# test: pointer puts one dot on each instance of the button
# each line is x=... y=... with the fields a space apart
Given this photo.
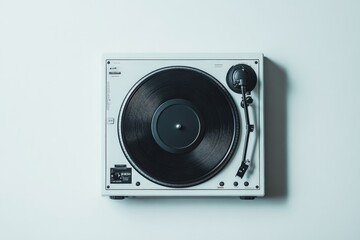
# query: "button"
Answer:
x=236 y=184
x=110 y=121
x=246 y=184
x=221 y=184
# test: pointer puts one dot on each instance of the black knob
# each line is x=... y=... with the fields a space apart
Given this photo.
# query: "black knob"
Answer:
x=241 y=75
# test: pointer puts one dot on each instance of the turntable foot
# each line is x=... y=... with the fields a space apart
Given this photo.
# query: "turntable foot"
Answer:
x=247 y=198
x=117 y=197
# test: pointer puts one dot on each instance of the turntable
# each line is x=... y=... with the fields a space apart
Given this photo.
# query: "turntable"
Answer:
x=183 y=125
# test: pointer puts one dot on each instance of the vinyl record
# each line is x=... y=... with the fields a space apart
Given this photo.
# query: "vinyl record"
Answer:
x=178 y=126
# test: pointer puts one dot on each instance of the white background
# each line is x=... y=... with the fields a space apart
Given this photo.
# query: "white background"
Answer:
x=50 y=103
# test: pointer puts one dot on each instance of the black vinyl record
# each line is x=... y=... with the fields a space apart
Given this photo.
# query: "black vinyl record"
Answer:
x=178 y=126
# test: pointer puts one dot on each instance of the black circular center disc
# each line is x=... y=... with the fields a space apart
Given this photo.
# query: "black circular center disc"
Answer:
x=178 y=126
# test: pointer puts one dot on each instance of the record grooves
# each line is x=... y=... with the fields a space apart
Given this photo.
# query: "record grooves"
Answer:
x=178 y=126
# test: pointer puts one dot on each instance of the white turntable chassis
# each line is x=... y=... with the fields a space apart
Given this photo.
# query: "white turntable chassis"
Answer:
x=122 y=71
